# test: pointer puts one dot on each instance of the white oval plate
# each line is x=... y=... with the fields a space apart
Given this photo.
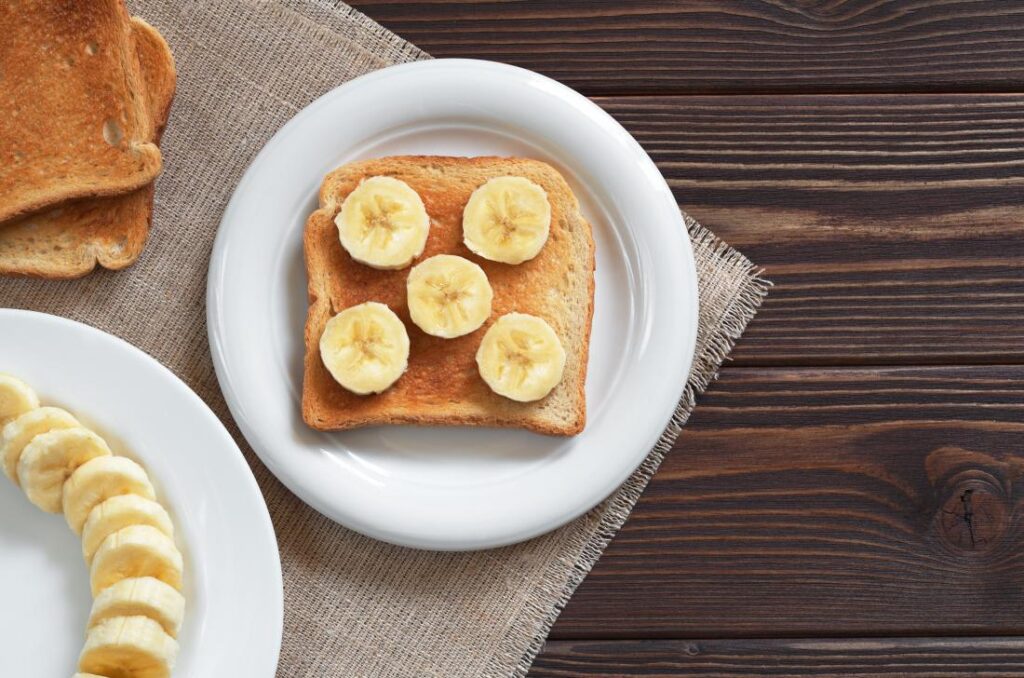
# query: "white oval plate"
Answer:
x=234 y=617
x=451 y=488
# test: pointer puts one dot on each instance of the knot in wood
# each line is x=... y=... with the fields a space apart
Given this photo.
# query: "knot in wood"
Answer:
x=973 y=492
x=973 y=517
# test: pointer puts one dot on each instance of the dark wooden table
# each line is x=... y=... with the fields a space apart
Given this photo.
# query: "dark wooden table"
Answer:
x=844 y=501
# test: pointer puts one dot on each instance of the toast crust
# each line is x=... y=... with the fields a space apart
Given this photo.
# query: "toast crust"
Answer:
x=72 y=121
x=70 y=240
x=442 y=385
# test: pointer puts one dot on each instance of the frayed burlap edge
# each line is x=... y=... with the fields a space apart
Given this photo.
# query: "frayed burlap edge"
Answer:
x=338 y=17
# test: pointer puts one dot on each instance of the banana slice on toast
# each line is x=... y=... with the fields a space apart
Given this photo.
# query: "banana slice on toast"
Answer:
x=448 y=296
x=383 y=223
x=508 y=219
x=521 y=357
x=365 y=348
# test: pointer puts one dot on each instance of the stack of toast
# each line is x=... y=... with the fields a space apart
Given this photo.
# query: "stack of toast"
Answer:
x=86 y=91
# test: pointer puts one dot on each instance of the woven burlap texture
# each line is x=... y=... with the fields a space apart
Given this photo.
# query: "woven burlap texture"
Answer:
x=353 y=606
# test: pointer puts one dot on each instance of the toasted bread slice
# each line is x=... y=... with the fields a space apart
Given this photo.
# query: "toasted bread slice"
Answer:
x=68 y=240
x=442 y=385
x=72 y=118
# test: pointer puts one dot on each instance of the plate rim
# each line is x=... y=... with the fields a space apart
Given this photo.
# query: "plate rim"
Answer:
x=218 y=261
x=247 y=478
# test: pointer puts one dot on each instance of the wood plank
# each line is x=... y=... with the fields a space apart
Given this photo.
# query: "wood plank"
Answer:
x=729 y=46
x=863 y=658
x=831 y=502
x=893 y=226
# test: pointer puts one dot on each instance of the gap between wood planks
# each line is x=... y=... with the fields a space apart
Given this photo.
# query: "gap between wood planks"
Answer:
x=866 y=657
x=921 y=635
x=973 y=360
x=967 y=90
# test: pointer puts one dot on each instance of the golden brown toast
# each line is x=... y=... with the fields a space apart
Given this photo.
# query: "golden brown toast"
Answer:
x=68 y=240
x=72 y=118
x=442 y=385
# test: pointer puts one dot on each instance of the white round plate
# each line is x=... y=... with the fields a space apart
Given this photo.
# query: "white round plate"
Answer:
x=452 y=488
x=233 y=620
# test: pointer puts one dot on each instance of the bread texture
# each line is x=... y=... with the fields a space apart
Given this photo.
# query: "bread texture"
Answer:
x=70 y=239
x=442 y=385
x=73 y=122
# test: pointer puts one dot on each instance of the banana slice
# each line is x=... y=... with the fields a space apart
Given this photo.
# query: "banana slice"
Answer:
x=140 y=597
x=383 y=223
x=507 y=219
x=16 y=398
x=120 y=512
x=136 y=551
x=365 y=348
x=51 y=458
x=521 y=357
x=100 y=479
x=448 y=296
x=128 y=646
x=20 y=431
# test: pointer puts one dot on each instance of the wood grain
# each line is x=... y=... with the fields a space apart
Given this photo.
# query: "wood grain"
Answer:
x=892 y=225
x=813 y=519
x=832 y=502
x=719 y=46
x=867 y=658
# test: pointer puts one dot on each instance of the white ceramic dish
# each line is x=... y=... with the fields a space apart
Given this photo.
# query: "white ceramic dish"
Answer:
x=233 y=574
x=450 y=488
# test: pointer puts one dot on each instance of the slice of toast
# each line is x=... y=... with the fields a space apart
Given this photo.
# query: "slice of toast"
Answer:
x=442 y=385
x=72 y=118
x=67 y=241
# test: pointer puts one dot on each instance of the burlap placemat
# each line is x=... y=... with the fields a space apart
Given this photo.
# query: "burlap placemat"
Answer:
x=353 y=606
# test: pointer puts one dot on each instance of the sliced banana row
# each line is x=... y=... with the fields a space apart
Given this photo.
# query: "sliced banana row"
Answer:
x=366 y=350
x=127 y=536
x=383 y=222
